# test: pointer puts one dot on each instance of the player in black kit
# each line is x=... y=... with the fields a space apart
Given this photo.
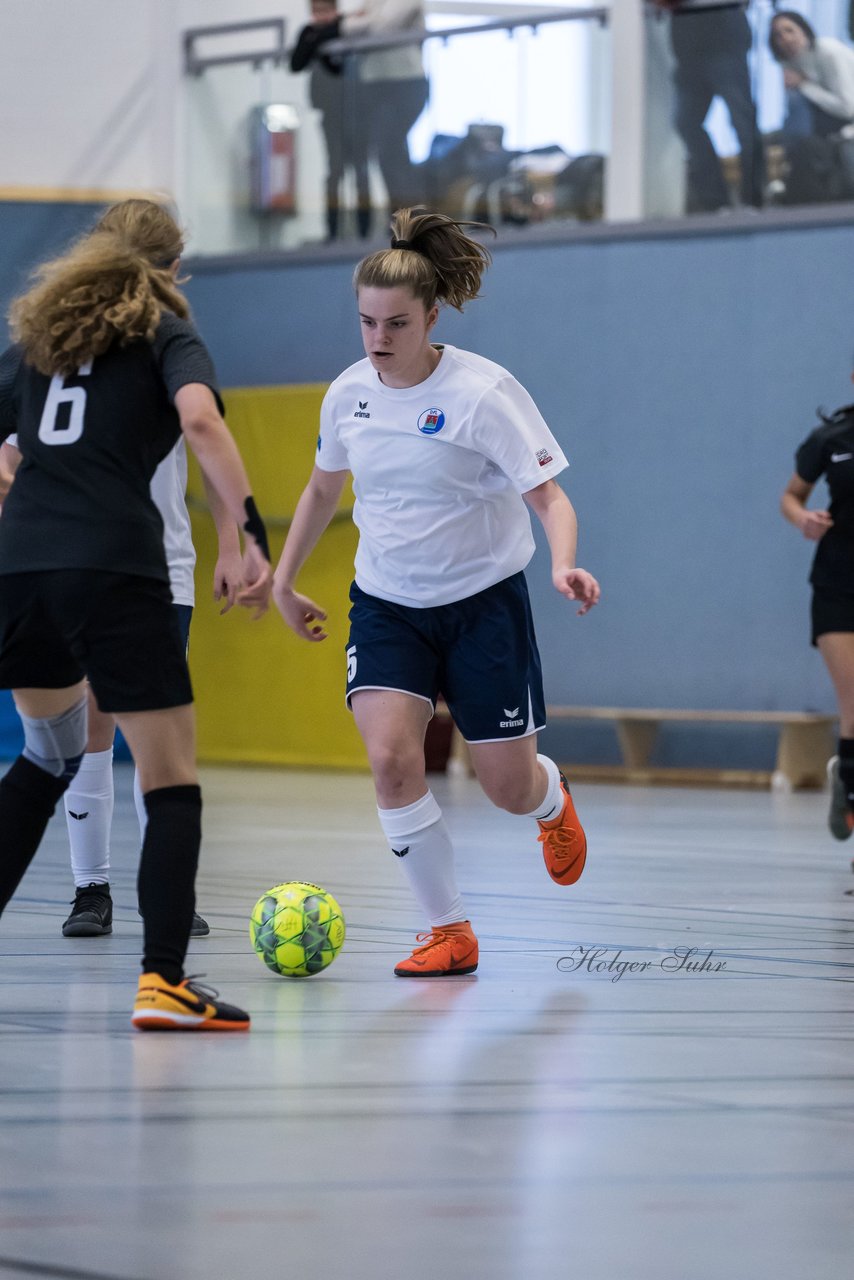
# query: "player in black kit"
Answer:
x=105 y=374
x=829 y=452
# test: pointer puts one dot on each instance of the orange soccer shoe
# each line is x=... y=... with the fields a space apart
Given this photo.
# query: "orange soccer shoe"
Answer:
x=564 y=842
x=189 y=1006
x=447 y=949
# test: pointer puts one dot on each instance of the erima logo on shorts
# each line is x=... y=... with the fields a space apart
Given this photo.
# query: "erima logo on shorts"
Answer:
x=360 y=412
x=431 y=421
x=510 y=722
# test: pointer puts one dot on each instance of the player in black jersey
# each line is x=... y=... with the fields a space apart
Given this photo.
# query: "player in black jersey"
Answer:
x=105 y=374
x=829 y=452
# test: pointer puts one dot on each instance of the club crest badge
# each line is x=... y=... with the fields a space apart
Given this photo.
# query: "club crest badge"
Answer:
x=431 y=421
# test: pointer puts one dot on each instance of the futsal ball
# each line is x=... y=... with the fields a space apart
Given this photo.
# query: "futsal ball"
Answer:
x=297 y=929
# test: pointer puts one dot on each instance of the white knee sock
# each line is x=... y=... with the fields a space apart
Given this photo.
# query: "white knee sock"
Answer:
x=139 y=803
x=88 y=815
x=418 y=836
x=552 y=802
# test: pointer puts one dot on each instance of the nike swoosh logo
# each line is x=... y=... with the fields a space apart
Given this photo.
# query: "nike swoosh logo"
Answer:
x=79 y=816
x=401 y=853
x=194 y=1006
x=841 y=457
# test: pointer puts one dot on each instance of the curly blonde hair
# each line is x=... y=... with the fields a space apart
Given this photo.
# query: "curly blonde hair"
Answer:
x=113 y=285
x=432 y=255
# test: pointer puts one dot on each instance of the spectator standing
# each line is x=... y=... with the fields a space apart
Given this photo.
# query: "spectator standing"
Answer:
x=710 y=47
x=334 y=97
x=393 y=90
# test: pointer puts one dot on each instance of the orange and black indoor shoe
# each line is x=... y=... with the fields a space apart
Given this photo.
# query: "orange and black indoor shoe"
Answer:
x=564 y=842
x=447 y=950
x=189 y=1006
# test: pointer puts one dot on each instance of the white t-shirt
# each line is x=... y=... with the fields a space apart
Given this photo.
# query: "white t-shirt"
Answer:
x=168 y=489
x=438 y=473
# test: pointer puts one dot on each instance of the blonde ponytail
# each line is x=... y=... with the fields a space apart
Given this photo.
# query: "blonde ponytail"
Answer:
x=432 y=255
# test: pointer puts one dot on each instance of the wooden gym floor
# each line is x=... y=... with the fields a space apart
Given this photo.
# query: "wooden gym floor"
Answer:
x=540 y=1118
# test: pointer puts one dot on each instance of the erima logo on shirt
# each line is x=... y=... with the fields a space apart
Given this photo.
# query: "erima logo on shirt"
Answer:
x=511 y=722
x=841 y=457
x=431 y=421
x=360 y=412
x=400 y=853
x=544 y=457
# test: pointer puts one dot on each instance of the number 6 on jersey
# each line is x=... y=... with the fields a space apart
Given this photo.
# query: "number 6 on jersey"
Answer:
x=58 y=394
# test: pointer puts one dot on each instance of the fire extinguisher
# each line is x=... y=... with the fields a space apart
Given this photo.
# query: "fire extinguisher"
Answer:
x=273 y=130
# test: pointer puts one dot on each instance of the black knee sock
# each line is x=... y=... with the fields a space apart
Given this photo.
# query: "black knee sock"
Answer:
x=846 y=767
x=28 y=797
x=167 y=877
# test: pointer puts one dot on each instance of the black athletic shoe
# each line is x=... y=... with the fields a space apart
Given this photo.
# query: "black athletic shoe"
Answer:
x=91 y=912
x=200 y=928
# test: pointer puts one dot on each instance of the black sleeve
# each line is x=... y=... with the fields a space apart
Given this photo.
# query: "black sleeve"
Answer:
x=304 y=49
x=10 y=363
x=183 y=358
x=311 y=39
x=809 y=458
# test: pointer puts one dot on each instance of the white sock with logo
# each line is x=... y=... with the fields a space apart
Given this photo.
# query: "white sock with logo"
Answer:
x=420 y=840
x=552 y=802
x=88 y=816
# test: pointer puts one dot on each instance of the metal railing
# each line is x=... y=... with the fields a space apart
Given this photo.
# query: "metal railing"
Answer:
x=195 y=62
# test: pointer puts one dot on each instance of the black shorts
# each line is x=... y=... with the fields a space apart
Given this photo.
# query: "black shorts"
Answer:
x=480 y=654
x=119 y=630
x=831 y=611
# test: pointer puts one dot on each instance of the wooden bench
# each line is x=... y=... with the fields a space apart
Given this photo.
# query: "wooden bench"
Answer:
x=806 y=742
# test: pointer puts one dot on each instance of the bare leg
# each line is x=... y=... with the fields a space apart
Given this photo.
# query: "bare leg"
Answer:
x=393 y=726
x=516 y=779
x=510 y=773
x=837 y=650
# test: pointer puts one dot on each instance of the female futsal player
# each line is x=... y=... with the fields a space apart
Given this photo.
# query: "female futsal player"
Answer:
x=829 y=452
x=105 y=375
x=90 y=797
x=446 y=449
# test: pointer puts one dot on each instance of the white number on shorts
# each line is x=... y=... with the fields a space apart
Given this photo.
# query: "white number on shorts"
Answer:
x=351 y=664
x=75 y=398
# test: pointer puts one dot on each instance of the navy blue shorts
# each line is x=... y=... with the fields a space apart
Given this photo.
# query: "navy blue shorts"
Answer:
x=480 y=654
x=184 y=614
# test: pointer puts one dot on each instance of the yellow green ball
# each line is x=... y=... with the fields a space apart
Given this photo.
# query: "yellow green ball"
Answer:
x=297 y=929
